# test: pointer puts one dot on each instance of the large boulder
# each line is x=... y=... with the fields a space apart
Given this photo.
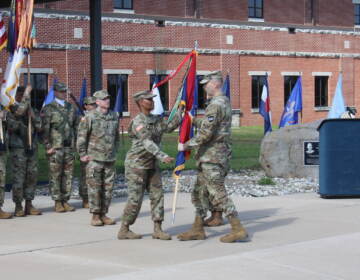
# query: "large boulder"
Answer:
x=282 y=151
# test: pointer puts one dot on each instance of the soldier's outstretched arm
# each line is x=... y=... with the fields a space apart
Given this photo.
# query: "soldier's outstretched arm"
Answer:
x=140 y=131
x=174 y=123
x=209 y=124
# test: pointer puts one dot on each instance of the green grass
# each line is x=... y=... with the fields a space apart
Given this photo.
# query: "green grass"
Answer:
x=245 y=152
x=266 y=181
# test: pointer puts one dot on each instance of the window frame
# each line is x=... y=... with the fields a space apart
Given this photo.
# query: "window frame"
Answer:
x=125 y=89
x=164 y=90
x=257 y=90
x=321 y=91
x=38 y=96
x=289 y=87
x=356 y=14
x=253 y=8
x=119 y=5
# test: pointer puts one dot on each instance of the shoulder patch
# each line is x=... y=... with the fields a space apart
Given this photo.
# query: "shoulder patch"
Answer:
x=139 y=127
x=211 y=118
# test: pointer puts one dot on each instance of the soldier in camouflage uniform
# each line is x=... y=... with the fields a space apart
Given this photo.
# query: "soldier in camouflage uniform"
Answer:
x=89 y=105
x=23 y=156
x=3 y=214
x=97 y=142
x=59 y=124
x=212 y=140
x=142 y=166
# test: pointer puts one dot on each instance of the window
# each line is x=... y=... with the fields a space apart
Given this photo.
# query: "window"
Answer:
x=257 y=83
x=357 y=14
x=255 y=8
x=321 y=91
x=123 y=4
x=201 y=96
x=114 y=82
x=163 y=90
x=289 y=83
x=39 y=83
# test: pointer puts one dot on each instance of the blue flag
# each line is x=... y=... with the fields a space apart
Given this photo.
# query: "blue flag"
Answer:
x=118 y=108
x=290 y=116
x=226 y=86
x=264 y=109
x=338 y=104
x=82 y=95
x=51 y=95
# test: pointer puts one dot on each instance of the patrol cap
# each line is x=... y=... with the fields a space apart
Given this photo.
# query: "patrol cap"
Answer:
x=60 y=87
x=101 y=94
x=89 y=100
x=146 y=94
x=213 y=75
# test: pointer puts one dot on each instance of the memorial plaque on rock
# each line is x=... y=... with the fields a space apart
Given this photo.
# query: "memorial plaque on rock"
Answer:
x=311 y=152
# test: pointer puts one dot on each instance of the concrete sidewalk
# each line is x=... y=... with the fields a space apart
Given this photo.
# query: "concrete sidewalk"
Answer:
x=292 y=237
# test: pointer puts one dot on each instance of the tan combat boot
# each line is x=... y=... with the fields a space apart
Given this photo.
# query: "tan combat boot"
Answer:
x=96 y=220
x=126 y=233
x=238 y=232
x=59 y=208
x=19 y=211
x=85 y=203
x=106 y=220
x=215 y=220
x=159 y=234
x=30 y=209
x=195 y=233
x=5 y=215
x=68 y=207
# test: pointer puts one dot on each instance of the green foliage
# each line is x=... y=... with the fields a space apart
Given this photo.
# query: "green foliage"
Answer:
x=266 y=181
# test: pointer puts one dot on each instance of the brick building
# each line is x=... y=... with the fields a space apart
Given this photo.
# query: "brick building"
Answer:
x=284 y=39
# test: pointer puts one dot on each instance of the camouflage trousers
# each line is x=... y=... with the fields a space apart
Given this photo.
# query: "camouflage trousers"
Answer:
x=83 y=189
x=25 y=170
x=139 y=180
x=100 y=181
x=61 y=166
x=209 y=191
x=2 y=177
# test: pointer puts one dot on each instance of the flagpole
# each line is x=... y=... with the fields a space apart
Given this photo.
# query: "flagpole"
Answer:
x=29 y=109
x=175 y=199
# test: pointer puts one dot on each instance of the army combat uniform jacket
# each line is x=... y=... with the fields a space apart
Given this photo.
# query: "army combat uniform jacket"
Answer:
x=146 y=133
x=98 y=138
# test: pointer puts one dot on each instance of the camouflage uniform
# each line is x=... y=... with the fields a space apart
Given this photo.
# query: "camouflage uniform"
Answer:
x=3 y=167
x=212 y=140
x=83 y=189
x=23 y=160
x=98 y=137
x=59 y=133
x=142 y=167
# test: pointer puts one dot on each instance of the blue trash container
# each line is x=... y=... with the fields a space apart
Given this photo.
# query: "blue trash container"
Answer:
x=339 y=170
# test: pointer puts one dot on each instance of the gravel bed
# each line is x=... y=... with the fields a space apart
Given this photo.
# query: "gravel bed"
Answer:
x=244 y=183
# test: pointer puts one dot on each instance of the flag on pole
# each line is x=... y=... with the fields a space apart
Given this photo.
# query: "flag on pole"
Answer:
x=338 y=104
x=118 y=108
x=264 y=109
x=83 y=94
x=226 y=86
x=51 y=95
x=3 y=35
x=290 y=116
x=158 y=107
x=187 y=100
x=19 y=45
